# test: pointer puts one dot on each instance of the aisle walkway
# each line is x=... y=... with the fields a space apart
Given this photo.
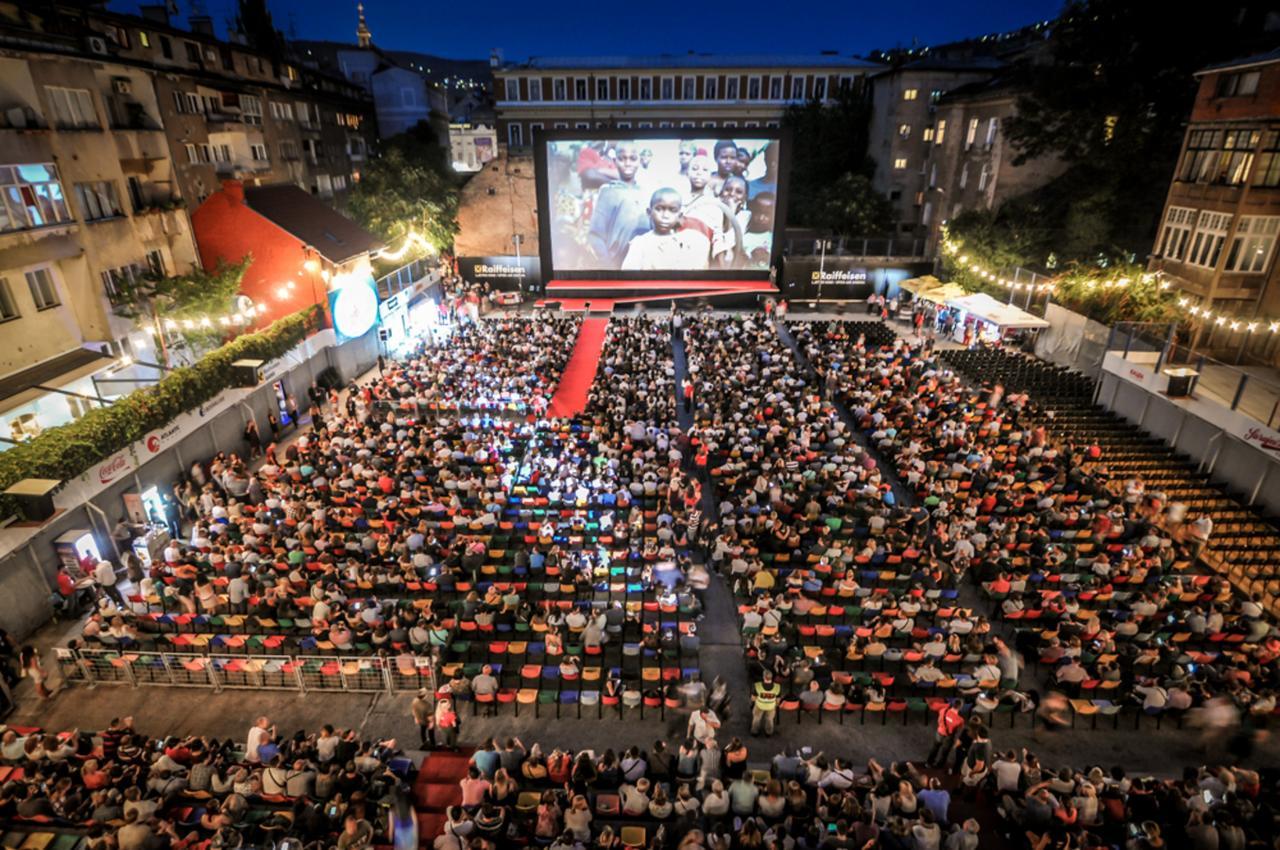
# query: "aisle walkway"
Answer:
x=575 y=382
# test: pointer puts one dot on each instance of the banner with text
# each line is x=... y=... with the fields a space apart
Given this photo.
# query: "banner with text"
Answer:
x=503 y=274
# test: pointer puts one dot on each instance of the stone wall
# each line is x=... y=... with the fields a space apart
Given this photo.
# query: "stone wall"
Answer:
x=498 y=202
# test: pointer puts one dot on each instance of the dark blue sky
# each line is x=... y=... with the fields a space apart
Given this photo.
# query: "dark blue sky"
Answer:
x=570 y=27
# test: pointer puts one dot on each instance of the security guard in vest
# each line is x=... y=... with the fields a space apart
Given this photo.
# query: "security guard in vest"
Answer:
x=764 y=706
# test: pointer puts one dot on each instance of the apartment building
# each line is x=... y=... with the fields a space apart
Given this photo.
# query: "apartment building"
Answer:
x=111 y=128
x=908 y=132
x=1217 y=239
x=661 y=92
x=972 y=162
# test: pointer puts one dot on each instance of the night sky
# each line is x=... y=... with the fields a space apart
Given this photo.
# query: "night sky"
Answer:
x=524 y=28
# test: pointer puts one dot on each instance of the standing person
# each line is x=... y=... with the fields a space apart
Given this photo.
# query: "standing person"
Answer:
x=620 y=213
x=291 y=405
x=8 y=655
x=688 y=394
x=253 y=438
x=424 y=717
x=274 y=424
x=382 y=364
x=105 y=576
x=764 y=707
x=944 y=735
x=447 y=724
x=34 y=670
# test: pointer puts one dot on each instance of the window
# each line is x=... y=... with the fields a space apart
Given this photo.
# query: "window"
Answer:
x=711 y=125
x=645 y=125
x=513 y=89
x=846 y=84
x=339 y=181
x=910 y=94
x=730 y=124
x=971 y=134
x=602 y=88
x=515 y=135
x=664 y=125
x=117 y=282
x=1219 y=156
x=819 y=88
x=775 y=88
x=580 y=125
x=72 y=108
x=98 y=200
x=1252 y=244
x=166 y=47
x=1267 y=172
x=8 y=307
x=1177 y=232
x=686 y=125
x=900 y=163
x=983 y=175
x=535 y=93
x=1240 y=84
x=646 y=88
x=284 y=111
x=155 y=262
x=926 y=213
x=32 y=197
x=251 y=108
x=797 y=88
x=904 y=131
x=1211 y=233
x=690 y=86
x=534 y=129
x=942 y=131
x=624 y=125
x=624 y=88
x=258 y=152
x=289 y=150
x=406 y=96
x=964 y=175
x=193 y=52
x=711 y=88
x=43 y=291
x=559 y=90
x=561 y=125
x=144 y=38
x=753 y=88
x=668 y=91
x=731 y=88
x=580 y=89
x=992 y=126
x=933 y=175
x=927 y=135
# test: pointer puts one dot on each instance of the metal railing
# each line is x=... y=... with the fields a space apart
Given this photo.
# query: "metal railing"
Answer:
x=301 y=673
x=404 y=277
x=1253 y=391
x=855 y=247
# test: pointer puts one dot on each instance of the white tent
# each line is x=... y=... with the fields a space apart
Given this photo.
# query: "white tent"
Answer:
x=1004 y=316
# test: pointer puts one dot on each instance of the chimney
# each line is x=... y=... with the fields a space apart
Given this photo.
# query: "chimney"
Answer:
x=234 y=190
x=158 y=13
x=202 y=24
x=495 y=57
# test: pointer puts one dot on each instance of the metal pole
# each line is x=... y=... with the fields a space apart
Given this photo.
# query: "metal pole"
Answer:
x=822 y=268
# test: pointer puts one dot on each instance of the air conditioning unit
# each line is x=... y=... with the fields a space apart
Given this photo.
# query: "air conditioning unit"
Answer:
x=122 y=85
x=97 y=44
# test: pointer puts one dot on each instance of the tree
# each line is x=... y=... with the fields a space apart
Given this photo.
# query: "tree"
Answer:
x=850 y=207
x=1111 y=100
x=829 y=150
x=408 y=188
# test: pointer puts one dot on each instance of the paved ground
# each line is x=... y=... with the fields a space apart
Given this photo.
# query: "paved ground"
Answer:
x=159 y=710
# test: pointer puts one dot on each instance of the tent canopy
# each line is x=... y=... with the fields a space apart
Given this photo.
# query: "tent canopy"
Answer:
x=916 y=285
x=998 y=313
x=943 y=293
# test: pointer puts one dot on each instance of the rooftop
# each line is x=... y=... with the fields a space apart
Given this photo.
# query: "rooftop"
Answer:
x=335 y=236
x=691 y=60
x=1267 y=58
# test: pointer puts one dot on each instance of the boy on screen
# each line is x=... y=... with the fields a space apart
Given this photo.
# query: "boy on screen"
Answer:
x=665 y=247
x=757 y=242
x=620 y=212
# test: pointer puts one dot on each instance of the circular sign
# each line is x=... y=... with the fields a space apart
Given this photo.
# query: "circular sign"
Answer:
x=355 y=309
x=153 y=444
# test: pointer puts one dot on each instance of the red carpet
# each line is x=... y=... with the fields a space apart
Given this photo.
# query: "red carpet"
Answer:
x=571 y=394
x=436 y=789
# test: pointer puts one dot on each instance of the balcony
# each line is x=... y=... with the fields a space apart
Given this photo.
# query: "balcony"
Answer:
x=223 y=118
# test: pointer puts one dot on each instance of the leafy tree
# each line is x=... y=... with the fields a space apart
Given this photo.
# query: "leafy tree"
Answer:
x=1111 y=100
x=188 y=296
x=850 y=207
x=407 y=188
x=830 y=184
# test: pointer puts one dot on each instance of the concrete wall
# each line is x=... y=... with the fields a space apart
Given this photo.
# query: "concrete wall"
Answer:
x=26 y=576
x=486 y=222
x=1231 y=461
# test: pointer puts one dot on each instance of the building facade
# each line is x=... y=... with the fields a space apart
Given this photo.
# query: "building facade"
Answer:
x=471 y=145
x=972 y=163
x=908 y=134
x=662 y=92
x=111 y=128
x=1217 y=238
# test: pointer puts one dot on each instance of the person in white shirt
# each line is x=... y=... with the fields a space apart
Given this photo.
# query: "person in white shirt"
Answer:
x=260 y=733
x=105 y=575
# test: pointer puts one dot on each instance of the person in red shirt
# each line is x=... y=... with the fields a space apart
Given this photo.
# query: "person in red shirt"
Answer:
x=66 y=584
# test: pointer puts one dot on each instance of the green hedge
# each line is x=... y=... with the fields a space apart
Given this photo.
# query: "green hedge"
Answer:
x=64 y=452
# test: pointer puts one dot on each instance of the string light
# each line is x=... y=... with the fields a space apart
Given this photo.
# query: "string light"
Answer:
x=410 y=240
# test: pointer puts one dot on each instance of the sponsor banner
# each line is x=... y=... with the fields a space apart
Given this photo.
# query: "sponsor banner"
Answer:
x=503 y=274
x=161 y=439
x=114 y=468
x=842 y=278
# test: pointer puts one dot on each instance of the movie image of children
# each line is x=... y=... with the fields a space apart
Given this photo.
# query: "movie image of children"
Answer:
x=666 y=245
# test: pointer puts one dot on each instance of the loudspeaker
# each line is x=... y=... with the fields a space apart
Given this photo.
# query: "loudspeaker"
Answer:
x=246 y=373
x=35 y=497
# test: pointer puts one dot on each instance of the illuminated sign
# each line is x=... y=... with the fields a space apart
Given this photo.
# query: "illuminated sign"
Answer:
x=354 y=308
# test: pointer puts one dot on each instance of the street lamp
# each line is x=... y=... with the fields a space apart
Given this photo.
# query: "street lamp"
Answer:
x=822 y=267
